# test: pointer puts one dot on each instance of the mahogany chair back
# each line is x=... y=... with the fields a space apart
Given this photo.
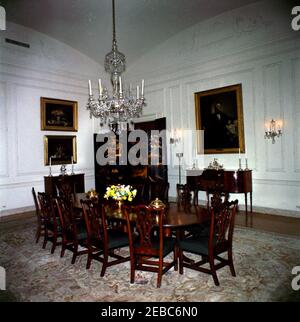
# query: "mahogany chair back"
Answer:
x=52 y=222
x=102 y=241
x=96 y=226
x=40 y=219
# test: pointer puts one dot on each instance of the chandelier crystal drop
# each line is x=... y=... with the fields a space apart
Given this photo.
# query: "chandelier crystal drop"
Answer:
x=123 y=105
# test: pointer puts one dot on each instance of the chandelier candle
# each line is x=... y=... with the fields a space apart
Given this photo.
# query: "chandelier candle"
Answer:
x=100 y=88
x=90 y=88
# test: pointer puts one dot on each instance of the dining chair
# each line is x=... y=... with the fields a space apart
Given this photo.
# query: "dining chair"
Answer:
x=52 y=221
x=159 y=189
x=40 y=231
x=102 y=239
x=147 y=242
x=209 y=247
x=73 y=230
x=218 y=199
x=65 y=189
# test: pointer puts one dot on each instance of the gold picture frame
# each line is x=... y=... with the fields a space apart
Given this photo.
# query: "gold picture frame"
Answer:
x=219 y=113
x=59 y=115
x=61 y=148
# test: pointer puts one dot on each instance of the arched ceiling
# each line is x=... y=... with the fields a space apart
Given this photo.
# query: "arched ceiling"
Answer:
x=86 y=25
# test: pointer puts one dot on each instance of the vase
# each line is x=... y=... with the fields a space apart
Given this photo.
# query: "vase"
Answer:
x=119 y=203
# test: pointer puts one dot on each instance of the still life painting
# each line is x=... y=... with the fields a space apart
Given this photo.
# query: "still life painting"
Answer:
x=59 y=115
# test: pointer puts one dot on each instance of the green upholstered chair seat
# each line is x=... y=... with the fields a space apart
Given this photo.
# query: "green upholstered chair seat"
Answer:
x=168 y=245
x=81 y=233
x=195 y=244
x=201 y=230
x=117 y=239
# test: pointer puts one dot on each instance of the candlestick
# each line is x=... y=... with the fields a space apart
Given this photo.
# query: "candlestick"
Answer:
x=90 y=88
x=50 y=170
x=137 y=92
x=240 y=164
x=72 y=172
x=246 y=160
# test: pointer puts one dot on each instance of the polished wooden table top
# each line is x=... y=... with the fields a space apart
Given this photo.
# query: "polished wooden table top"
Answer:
x=173 y=217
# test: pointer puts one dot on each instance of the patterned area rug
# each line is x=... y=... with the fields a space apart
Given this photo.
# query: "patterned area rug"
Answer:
x=263 y=263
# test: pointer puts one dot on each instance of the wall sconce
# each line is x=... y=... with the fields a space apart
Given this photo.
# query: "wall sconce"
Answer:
x=175 y=136
x=273 y=130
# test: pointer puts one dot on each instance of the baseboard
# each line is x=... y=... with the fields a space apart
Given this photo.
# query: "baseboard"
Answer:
x=16 y=211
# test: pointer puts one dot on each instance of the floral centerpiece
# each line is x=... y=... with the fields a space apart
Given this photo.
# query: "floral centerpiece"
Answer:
x=120 y=193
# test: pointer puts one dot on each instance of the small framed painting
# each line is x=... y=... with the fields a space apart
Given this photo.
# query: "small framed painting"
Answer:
x=59 y=115
x=61 y=149
x=219 y=113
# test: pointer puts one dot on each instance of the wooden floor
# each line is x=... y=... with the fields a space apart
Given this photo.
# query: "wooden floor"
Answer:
x=273 y=223
x=266 y=222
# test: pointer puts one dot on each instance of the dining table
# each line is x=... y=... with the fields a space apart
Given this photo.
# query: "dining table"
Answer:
x=175 y=218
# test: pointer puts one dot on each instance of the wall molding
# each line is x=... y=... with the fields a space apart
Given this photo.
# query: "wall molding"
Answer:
x=4 y=172
x=88 y=175
x=266 y=68
x=187 y=70
x=295 y=61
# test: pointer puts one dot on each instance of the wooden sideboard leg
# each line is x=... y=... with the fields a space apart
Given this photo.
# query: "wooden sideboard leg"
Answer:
x=246 y=209
x=251 y=209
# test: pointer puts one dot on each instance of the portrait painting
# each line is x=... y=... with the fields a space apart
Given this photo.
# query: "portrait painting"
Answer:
x=219 y=113
x=61 y=149
x=58 y=115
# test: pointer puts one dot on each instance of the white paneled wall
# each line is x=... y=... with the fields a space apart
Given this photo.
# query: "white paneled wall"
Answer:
x=47 y=69
x=254 y=46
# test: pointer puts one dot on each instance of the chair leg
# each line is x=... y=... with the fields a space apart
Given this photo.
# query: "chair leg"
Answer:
x=44 y=243
x=232 y=270
x=176 y=259
x=213 y=270
x=63 y=248
x=89 y=260
x=38 y=235
x=159 y=275
x=104 y=265
x=180 y=261
x=45 y=239
x=54 y=243
x=53 y=247
x=75 y=251
x=132 y=270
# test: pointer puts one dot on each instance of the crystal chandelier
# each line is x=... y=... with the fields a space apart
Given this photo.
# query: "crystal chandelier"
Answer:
x=123 y=105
